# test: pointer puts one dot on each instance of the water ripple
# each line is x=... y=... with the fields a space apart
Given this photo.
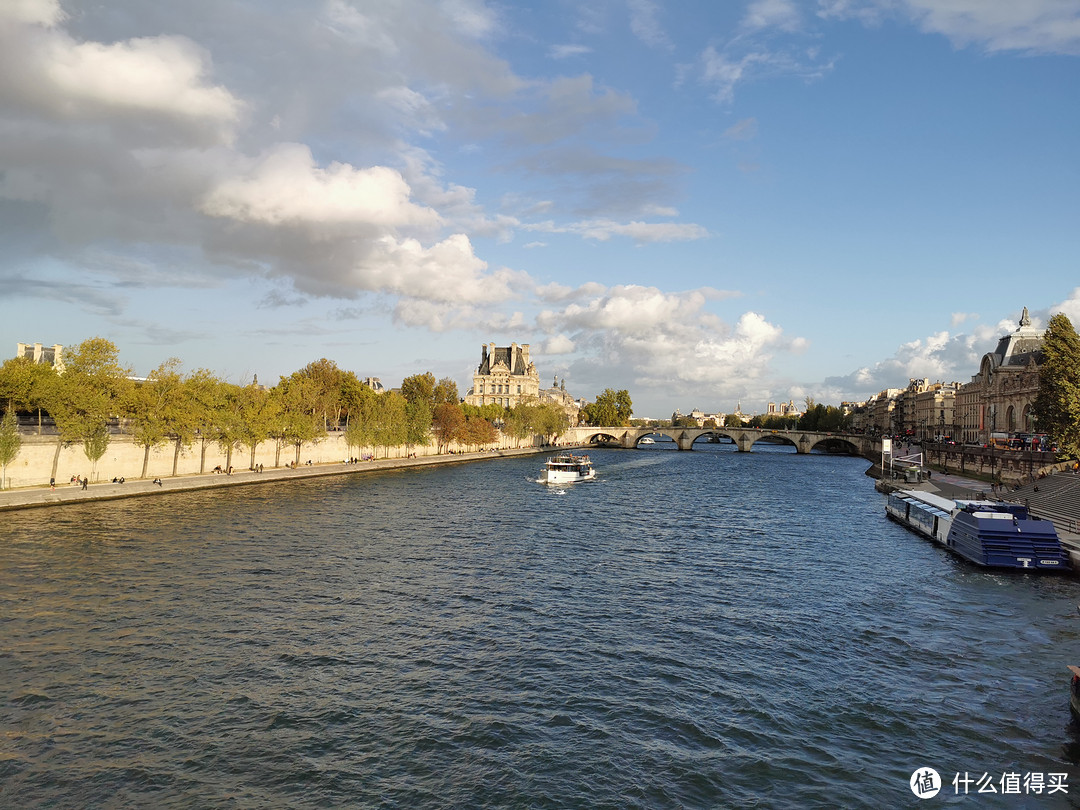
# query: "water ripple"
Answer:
x=706 y=629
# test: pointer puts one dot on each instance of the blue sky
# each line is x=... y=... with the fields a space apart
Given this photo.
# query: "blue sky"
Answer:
x=705 y=203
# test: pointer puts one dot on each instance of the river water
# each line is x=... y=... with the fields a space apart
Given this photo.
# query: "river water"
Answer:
x=704 y=629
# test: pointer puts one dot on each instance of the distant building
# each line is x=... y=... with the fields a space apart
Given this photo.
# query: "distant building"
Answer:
x=699 y=417
x=1000 y=397
x=783 y=409
x=557 y=396
x=52 y=355
x=374 y=383
x=504 y=377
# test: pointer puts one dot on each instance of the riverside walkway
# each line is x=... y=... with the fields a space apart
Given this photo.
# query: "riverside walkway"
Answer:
x=66 y=493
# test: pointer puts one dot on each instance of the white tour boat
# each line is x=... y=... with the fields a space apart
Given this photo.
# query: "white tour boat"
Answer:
x=566 y=468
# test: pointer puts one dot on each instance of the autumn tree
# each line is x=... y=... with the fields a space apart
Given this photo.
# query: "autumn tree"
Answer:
x=447 y=422
x=1057 y=405
x=478 y=431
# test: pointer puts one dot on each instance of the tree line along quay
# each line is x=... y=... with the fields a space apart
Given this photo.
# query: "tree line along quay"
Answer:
x=95 y=401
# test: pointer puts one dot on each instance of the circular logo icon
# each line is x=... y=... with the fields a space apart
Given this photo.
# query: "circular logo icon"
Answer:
x=925 y=783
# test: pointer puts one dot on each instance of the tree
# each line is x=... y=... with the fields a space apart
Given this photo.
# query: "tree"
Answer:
x=551 y=421
x=257 y=414
x=325 y=390
x=361 y=403
x=446 y=392
x=91 y=391
x=158 y=410
x=446 y=423
x=478 y=431
x=611 y=409
x=24 y=383
x=296 y=418
x=1057 y=405
x=419 y=388
x=389 y=428
x=10 y=442
x=205 y=396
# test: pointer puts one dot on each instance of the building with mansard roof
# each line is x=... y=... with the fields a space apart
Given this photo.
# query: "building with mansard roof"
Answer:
x=999 y=398
x=504 y=377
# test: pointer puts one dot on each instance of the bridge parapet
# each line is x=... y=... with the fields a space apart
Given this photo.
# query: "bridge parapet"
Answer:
x=744 y=438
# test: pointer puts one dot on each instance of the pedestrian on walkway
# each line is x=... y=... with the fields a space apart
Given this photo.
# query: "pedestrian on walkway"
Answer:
x=84 y=483
x=52 y=484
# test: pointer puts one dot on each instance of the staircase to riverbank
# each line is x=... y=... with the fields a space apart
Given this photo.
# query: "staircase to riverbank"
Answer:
x=1055 y=497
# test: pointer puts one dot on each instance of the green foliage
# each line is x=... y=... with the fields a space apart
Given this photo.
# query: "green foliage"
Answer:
x=95 y=443
x=156 y=408
x=1057 y=405
x=24 y=383
x=446 y=392
x=535 y=418
x=298 y=414
x=419 y=388
x=826 y=418
x=611 y=409
x=361 y=403
x=257 y=413
x=775 y=421
x=93 y=389
x=492 y=412
x=418 y=423
x=388 y=427
x=325 y=389
x=10 y=442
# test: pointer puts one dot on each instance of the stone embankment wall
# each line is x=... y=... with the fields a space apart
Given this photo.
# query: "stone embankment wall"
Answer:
x=124 y=458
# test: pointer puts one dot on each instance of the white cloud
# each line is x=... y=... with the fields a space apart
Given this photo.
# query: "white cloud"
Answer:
x=558 y=344
x=960 y=317
x=567 y=51
x=285 y=186
x=147 y=80
x=746 y=61
x=780 y=14
x=602 y=230
x=1070 y=307
x=645 y=25
x=1040 y=26
x=32 y=12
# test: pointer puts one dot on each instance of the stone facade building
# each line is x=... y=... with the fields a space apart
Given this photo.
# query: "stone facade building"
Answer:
x=999 y=398
x=51 y=355
x=504 y=377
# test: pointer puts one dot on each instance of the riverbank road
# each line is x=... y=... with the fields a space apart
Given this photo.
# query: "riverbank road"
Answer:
x=66 y=493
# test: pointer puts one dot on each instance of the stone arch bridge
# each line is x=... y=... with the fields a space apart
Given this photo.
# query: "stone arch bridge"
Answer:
x=804 y=441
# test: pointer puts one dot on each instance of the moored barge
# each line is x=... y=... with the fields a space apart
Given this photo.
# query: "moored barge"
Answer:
x=993 y=534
